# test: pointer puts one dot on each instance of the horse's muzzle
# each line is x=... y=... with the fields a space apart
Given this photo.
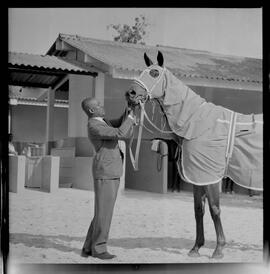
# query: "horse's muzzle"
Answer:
x=134 y=99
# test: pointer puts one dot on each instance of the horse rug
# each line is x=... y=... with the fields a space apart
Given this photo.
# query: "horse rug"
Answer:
x=217 y=142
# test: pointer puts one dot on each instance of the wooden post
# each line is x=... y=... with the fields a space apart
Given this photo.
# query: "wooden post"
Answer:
x=99 y=82
x=49 y=119
x=9 y=118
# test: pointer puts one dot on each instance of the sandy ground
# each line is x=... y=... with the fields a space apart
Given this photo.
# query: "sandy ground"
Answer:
x=146 y=227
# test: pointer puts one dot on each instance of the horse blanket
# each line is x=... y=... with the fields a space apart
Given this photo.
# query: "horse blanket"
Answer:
x=217 y=142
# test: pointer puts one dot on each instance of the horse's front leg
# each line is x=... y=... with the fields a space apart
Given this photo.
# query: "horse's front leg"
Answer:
x=213 y=200
x=199 y=205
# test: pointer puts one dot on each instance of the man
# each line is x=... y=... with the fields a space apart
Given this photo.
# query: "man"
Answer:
x=107 y=170
x=11 y=148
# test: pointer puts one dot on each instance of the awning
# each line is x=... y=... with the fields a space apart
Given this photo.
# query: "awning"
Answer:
x=43 y=71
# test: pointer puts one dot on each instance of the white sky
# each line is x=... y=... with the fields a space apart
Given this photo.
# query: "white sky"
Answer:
x=227 y=31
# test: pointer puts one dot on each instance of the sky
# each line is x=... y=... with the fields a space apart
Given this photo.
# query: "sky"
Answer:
x=230 y=31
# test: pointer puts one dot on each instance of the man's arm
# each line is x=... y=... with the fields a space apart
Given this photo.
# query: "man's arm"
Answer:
x=117 y=122
x=104 y=131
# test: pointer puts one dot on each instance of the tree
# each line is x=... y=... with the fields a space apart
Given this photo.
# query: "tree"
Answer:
x=131 y=34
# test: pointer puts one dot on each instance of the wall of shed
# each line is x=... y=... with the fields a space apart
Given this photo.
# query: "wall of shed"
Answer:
x=114 y=96
x=243 y=101
x=29 y=123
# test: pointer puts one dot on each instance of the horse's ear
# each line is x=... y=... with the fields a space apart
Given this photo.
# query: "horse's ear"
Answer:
x=160 y=59
x=147 y=60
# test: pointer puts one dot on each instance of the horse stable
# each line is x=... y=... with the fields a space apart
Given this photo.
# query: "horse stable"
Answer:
x=45 y=116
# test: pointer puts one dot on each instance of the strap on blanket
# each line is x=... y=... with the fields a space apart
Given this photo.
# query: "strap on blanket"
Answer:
x=230 y=142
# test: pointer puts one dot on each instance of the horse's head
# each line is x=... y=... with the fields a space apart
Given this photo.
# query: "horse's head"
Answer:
x=150 y=83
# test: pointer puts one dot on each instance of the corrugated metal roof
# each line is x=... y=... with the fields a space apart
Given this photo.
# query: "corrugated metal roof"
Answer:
x=182 y=62
x=26 y=78
x=47 y=62
x=42 y=71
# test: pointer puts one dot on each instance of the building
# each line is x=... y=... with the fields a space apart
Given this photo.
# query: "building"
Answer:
x=87 y=67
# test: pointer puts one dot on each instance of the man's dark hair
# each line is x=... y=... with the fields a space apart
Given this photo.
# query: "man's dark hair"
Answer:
x=85 y=105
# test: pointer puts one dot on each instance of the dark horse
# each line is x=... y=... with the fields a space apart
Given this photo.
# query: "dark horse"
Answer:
x=217 y=143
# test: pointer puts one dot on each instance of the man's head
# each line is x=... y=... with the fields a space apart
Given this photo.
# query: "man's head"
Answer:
x=92 y=107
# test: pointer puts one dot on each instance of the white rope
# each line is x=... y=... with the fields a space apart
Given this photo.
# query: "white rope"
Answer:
x=134 y=160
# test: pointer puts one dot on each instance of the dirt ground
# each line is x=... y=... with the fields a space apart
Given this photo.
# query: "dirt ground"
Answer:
x=146 y=227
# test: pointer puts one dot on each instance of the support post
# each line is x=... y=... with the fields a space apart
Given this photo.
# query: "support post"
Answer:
x=49 y=119
x=99 y=87
x=9 y=119
x=50 y=173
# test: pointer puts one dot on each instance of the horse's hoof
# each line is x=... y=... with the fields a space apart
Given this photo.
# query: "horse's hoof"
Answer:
x=193 y=253
x=217 y=255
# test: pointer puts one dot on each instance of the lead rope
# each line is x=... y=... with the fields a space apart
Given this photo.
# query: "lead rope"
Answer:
x=134 y=160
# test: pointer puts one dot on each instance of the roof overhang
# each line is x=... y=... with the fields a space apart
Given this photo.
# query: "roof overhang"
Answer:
x=19 y=75
x=42 y=71
x=29 y=77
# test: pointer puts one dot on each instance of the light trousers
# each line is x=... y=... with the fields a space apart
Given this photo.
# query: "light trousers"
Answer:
x=98 y=232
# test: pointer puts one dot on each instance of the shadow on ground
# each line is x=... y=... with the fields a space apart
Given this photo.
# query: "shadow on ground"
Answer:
x=235 y=200
x=63 y=243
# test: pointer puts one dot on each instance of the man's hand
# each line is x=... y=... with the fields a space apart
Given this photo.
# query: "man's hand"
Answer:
x=130 y=110
x=131 y=113
x=132 y=116
x=131 y=101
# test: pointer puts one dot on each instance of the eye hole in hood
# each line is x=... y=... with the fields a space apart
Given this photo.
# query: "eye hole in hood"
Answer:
x=154 y=73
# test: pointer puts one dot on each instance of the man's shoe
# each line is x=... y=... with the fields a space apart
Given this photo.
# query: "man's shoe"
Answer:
x=86 y=253
x=103 y=256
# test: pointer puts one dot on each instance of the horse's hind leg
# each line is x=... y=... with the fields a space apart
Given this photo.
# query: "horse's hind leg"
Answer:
x=199 y=205
x=213 y=200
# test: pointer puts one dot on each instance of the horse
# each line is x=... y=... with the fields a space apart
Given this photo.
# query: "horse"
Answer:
x=216 y=143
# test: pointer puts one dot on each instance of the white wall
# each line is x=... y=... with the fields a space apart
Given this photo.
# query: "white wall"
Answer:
x=80 y=87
